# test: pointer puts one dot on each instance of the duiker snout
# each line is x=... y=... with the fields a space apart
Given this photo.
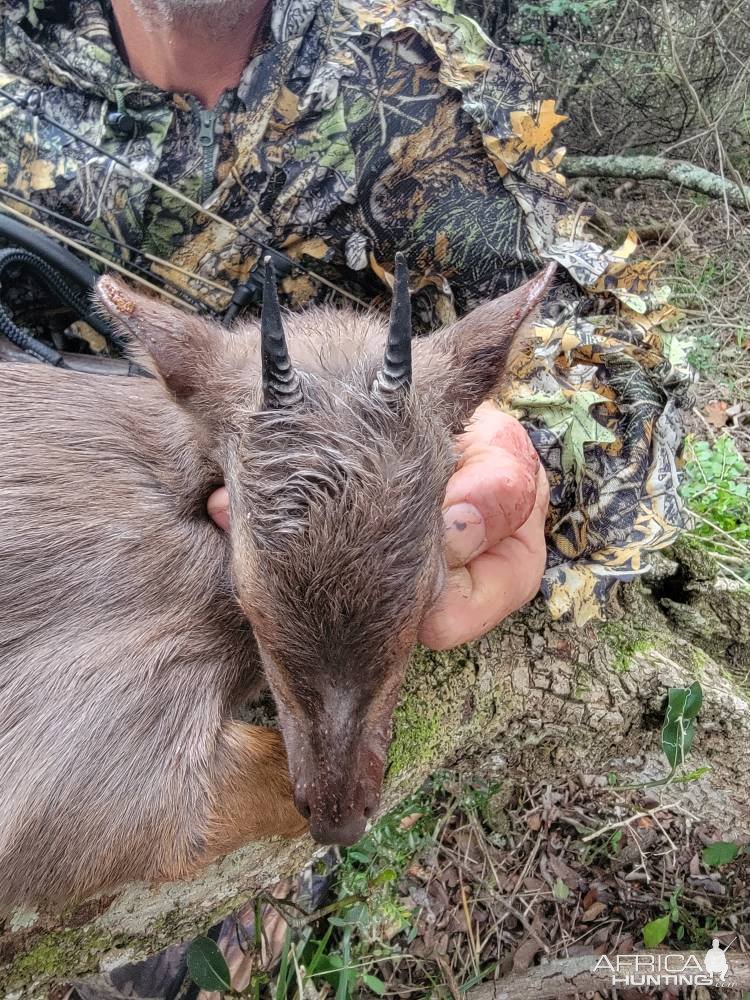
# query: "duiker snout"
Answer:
x=337 y=796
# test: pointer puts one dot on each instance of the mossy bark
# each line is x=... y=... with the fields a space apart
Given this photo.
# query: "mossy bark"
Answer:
x=538 y=696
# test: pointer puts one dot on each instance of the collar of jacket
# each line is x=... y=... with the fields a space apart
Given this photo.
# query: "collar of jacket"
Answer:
x=58 y=43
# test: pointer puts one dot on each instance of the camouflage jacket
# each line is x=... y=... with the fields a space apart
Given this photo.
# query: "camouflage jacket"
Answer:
x=358 y=128
x=362 y=127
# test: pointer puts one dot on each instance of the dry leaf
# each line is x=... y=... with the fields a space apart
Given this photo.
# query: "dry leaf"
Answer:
x=525 y=954
x=96 y=342
x=589 y=898
x=563 y=872
x=534 y=822
x=408 y=821
x=716 y=414
x=593 y=912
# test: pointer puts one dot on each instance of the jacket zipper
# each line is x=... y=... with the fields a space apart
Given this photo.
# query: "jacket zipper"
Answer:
x=207 y=139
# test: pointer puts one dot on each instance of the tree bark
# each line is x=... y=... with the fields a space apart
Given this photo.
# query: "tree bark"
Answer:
x=640 y=168
x=536 y=695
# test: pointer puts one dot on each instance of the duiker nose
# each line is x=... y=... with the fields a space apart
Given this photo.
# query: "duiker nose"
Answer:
x=335 y=819
x=301 y=803
x=344 y=833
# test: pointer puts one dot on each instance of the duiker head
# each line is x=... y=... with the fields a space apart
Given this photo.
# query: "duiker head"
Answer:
x=336 y=444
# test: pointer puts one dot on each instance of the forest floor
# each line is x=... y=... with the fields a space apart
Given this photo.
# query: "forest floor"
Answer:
x=468 y=881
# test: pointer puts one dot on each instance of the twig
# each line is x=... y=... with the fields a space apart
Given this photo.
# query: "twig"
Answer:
x=744 y=193
x=631 y=819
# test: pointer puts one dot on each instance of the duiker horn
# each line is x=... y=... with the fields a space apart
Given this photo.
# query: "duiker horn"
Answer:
x=281 y=383
x=394 y=378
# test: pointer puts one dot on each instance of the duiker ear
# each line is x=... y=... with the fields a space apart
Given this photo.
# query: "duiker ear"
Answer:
x=179 y=347
x=466 y=362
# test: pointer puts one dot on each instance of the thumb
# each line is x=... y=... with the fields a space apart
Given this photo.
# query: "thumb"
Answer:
x=218 y=508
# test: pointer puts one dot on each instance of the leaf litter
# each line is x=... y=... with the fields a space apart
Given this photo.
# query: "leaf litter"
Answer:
x=471 y=880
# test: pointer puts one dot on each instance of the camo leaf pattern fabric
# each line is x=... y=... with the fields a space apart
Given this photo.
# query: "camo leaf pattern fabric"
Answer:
x=360 y=128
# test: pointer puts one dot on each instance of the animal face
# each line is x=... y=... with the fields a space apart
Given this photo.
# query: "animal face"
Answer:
x=336 y=462
x=337 y=557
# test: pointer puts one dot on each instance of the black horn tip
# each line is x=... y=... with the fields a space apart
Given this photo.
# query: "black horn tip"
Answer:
x=394 y=377
x=281 y=383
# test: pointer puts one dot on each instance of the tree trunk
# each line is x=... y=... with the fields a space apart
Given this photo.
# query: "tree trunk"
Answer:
x=542 y=696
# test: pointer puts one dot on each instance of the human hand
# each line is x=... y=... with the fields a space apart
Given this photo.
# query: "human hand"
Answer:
x=495 y=508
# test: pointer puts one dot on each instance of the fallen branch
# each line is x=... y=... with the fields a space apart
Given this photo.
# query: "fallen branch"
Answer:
x=568 y=976
x=641 y=168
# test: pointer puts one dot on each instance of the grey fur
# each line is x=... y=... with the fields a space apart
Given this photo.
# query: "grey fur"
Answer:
x=126 y=644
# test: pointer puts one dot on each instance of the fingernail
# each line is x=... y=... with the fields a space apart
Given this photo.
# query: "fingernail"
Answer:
x=465 y=533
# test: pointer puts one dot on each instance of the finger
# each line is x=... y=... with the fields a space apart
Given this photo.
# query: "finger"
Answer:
x=218 y=508
x=496 y=583
x=491 y=425
x=497 y=496
x=492 y=492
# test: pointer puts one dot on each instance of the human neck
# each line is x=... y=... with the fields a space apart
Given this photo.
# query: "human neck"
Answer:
x=188 y=51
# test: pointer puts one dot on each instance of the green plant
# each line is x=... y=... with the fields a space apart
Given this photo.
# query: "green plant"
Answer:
x=683 y=706
x=716 y=488
x=342 y=944
x=721 y=852
x=207 y=966
x=655 y=931
x=677 y=733
x=370 y=869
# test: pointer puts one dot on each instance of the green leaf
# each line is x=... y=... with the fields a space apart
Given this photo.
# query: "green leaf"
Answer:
x=360 y=856
x=719 y=853
x=560 y=890
x=566 y=412
x=387 y=875
x=655 y=931
x=694 y=701
x=285 y=970
x=374 y=984
x=207 y=966
x=683 y=705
